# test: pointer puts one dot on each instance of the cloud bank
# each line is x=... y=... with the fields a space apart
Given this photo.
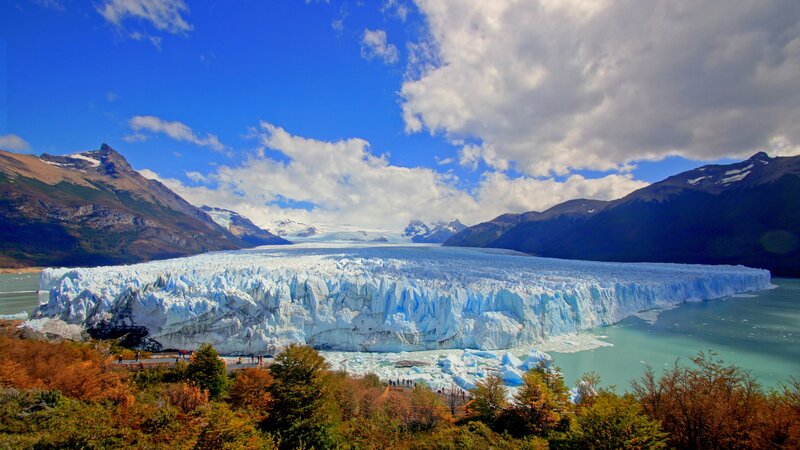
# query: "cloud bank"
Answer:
x=551 y=86
x=347 y=184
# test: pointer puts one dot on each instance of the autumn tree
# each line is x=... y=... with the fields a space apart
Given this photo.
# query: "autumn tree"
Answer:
x=187 y=398
x=77 y=370
x=427 y=409
x=250 y=390
x=488 y=398
x=586 y=390
x=780 y=427
x=709 y=406
x=540 y=405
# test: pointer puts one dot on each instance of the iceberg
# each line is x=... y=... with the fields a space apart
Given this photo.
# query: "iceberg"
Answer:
x=387 y=298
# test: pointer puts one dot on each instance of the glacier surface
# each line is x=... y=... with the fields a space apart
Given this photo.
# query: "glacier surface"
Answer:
x=390 y=298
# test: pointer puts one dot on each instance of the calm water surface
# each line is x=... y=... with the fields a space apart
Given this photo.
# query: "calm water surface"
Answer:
x=760 y=333
x=11 y=300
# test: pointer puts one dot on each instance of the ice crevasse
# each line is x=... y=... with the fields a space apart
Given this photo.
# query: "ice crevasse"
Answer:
x=373 y=298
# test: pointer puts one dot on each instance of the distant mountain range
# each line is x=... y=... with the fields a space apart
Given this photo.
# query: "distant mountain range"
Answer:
x=92 y=208
x=432 y=234
x=242 y=227
x=745 y=213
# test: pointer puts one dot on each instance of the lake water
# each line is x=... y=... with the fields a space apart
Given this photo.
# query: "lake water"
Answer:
x=760 y=333
x=15 y=292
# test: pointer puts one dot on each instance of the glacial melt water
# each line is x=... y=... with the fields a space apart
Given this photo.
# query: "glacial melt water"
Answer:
x=17 y=293
x=758 y=332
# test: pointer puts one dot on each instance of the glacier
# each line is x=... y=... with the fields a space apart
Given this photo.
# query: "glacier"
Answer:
x=376 y=298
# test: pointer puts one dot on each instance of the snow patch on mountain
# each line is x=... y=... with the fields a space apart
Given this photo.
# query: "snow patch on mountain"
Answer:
x=373 y=297
x=737 y=171
x=694 y=181
x=92 y=162
x=221 y=216
x=734 y=178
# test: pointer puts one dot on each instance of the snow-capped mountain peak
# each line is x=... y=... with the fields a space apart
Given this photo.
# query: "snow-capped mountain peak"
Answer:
x=289 y=227
x=438 y=232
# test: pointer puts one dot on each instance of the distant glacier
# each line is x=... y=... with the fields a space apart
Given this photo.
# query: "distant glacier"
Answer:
x=373 y=298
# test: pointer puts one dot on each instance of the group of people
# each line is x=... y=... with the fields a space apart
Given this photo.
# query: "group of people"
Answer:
x=135 y=356
x=254 y=359
x=182 y=354
x=455 y=392
x=403 y=383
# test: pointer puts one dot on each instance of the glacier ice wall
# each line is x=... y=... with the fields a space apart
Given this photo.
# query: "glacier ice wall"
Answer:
x=374 y=298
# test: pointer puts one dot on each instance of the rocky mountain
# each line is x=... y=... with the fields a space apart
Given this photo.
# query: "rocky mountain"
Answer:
x=436 y=233
x=93 y=208
x=485 y=233
x=242 y=227
x=744 y=213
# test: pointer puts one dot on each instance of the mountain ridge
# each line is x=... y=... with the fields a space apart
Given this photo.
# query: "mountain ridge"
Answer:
x=92 y=208
x=742 y=213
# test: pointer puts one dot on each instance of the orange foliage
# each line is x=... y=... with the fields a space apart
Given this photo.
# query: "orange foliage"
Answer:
x=395 y=404
x=712 y=405
x=366 y=395
x=417 y=409
x=250 y=389
x=186 y=397
x=13 y=374
x=428 y=409
x=353 y=396
x=77 y=370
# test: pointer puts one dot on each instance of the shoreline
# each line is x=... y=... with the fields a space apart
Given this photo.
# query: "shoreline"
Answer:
x=20 y=270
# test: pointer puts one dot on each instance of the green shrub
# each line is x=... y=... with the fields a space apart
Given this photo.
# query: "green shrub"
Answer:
x=301 y=405
x=613 y=422
x=207 y=370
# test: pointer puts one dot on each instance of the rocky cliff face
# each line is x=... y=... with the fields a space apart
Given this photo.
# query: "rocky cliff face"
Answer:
x=93 y=208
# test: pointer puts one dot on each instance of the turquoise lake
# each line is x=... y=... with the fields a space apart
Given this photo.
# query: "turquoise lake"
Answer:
x=759 y=332
x=15 y=292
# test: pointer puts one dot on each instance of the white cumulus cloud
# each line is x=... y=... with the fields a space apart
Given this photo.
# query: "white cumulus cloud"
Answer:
x=551 y=86
x=174 y=129
x=347 y=183
x=374 y=45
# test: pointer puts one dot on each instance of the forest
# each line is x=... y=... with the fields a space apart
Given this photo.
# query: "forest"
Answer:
x=69 y=395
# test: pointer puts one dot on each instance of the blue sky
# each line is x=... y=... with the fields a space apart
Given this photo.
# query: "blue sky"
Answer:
x=427 y=110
